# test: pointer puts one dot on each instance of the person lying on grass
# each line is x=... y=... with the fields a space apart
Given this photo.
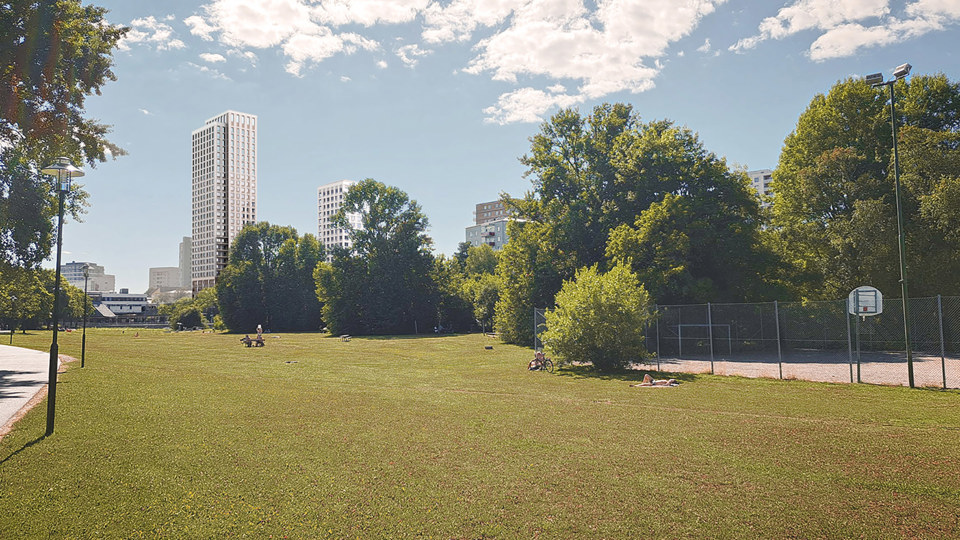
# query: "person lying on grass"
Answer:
x=650 y=381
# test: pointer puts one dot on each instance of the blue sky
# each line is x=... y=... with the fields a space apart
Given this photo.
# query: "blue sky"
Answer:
x=440 y=98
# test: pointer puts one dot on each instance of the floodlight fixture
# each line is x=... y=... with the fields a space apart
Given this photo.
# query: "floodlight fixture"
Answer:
x=874 y=79
x=902 y=71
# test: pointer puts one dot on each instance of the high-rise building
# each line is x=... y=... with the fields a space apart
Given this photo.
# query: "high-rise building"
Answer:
x=186 y=250
x=224 y=190
x=760 y=180
x=97 y=279
x=490 y=227
x=490 y=211
x=165 y=277
x=329 y=200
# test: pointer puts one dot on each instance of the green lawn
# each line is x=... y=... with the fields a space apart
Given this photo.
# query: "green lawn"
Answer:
x=191 y=435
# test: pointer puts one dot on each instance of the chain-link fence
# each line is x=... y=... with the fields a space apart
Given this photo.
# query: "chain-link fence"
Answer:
x=814 y=341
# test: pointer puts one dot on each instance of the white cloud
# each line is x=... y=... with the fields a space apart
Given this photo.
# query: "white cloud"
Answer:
x=845 y=27
x=382 y=64
x=705 y=48
x=368 y=12
x=209 y=71
x=527 y=105
x=345 y=79
x=145 y=112
x=150 y=31
x=411 y=54
x=199 y=27
x=250 y=56
x=212 y=58
x=460 y=18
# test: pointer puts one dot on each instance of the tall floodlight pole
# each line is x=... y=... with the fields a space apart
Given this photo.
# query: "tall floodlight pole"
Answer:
x=86 y=310
x=877 y=80
x=65 y=172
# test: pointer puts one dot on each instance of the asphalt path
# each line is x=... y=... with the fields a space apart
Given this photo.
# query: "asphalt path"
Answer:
x=23 y=373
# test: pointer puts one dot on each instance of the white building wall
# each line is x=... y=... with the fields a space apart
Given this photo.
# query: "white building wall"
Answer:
x=760 y=181
x=98 y=280
x=224 y=172
x=186 y=250
x=329 y=200
x=492 y=233
x=165 y=277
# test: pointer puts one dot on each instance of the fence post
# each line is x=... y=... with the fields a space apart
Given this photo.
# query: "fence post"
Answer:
x=849 y=345
x=776 y=314
x=857 y=329
x=657 y=310
x=710 y=328
x=679 y=332
x=535 y=329
x=943 y=352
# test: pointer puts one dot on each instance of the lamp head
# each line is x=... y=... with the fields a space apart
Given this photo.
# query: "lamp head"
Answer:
x=874 y=79
x=902 y=71
x=59 y=169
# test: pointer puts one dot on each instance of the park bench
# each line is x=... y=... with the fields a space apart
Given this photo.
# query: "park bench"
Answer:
x=345 y=337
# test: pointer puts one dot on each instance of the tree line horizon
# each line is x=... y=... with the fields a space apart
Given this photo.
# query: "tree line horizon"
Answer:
x=609 y=190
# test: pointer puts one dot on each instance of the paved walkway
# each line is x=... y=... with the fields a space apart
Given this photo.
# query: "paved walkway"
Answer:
x=23 y=373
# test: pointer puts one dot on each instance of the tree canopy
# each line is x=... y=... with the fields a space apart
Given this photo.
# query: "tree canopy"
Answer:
x=608 y=189
x=55 y=53
x=834 y=213
x=269 y=280
x=383 y=284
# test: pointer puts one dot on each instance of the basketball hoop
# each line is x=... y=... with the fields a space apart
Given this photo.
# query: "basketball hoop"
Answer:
x=865 y=301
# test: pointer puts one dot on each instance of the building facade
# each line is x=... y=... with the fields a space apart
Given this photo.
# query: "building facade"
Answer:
x=224 y=171
x=489 y=211
x=329 y=200
x=165 y=277
x=119 y=303
x=493 y=233
x=186 y=250
x=760 y=181
x=98 y=280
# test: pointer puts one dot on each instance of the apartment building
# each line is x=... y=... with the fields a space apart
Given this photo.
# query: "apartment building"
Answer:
x=97 y=281
x=224 y=171
x=329 y=200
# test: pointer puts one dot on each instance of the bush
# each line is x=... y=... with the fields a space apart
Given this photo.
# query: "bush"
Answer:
x=599 y=319
x=190 y=317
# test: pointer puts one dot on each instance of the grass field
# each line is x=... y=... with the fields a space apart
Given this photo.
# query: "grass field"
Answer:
x=191 y=435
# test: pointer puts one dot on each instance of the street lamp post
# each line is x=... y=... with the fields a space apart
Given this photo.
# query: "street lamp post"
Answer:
x=65 y=172
x=86 y=309
x=13 y=311
x=877 y=80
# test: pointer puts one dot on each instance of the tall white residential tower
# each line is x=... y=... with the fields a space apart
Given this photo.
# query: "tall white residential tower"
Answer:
x=224 y=191
x=329 y=200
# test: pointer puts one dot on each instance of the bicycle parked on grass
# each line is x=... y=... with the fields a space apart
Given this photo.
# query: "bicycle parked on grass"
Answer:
x=540 y=362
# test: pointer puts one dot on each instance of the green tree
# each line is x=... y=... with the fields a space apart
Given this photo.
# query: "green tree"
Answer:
x=480 y=260
x=384 y=284
x=598 y=174
x=834 y=213
x=598 y=319
x=55 y=53
x=531 y=271
x=23 y=296
x=269 y=280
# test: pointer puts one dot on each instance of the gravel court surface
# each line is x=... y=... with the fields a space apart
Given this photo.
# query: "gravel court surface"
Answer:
x=817 y=366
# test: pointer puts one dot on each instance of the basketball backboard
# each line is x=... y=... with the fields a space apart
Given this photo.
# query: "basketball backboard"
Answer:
x=865 y=301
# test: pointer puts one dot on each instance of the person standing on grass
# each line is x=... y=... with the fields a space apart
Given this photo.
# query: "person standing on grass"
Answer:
x=259 y=332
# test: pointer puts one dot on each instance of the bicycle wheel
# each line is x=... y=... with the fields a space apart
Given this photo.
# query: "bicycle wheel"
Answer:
x=548 y=365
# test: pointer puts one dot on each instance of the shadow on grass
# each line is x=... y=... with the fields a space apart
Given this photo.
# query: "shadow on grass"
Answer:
x=408 y=336
x=626 y=375
x=22 y=448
